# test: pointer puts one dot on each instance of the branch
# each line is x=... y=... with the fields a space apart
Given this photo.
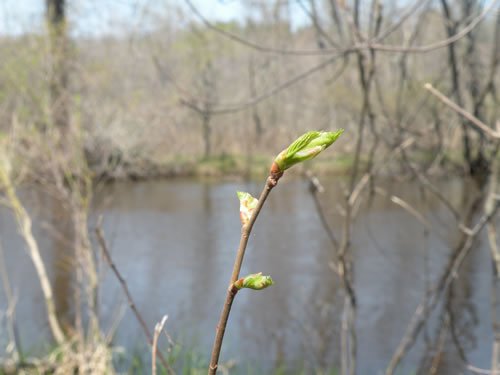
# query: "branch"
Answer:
x=440 y=44
x=232 y=290
x=10 y=313
x=425 y=308
x=339 y=52
x=424 y=181
x=371 y=44
x=488 y=207
x=24 y=225
x=131 y=303
x=154 y=348
x=405 y=206
x=315 y=187
x=236 y=107
x=473 y=120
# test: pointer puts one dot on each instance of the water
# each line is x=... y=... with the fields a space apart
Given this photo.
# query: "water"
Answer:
x=174 y=242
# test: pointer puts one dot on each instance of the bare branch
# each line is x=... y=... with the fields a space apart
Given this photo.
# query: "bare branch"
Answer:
x=371 y=44
x=236 y=107
x=425 y=307
x=405 y=206
x=473 y=120
x=154 y=348
x=11 y=307
x=124 y=286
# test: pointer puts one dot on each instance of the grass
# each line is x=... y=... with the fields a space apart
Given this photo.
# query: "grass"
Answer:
x=240 y=165
x=192 y=360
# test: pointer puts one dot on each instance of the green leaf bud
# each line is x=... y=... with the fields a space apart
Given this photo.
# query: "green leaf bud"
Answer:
x=247 y=206
x=304 y=148
x=254 y=281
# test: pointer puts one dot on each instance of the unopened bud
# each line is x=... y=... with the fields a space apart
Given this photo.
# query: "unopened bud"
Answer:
x=254 y=281
x=247 y=206
x=304 y=148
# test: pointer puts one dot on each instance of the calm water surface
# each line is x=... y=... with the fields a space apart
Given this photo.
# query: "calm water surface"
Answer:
x=175 y=241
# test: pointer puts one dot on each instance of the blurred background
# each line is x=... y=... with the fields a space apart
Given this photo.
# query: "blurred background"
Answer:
x=127 y=126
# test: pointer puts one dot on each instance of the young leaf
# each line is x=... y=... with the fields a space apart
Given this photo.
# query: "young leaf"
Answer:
x=247 y=206
x=304 y=148
x=254 y=281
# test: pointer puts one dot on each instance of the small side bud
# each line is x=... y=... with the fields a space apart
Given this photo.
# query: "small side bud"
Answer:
x=303 y=148
x=247 y=206
x=254 y=281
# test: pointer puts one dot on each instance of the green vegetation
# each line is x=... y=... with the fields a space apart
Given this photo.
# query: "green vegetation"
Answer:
x=233 y=166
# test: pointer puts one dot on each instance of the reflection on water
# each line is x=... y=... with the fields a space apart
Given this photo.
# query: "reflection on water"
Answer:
x=175 y=241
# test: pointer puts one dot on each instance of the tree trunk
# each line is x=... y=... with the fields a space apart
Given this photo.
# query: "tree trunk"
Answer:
x=59 y=98
x=207 y=131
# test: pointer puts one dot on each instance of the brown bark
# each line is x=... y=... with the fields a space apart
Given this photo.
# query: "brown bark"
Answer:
x=59 y=78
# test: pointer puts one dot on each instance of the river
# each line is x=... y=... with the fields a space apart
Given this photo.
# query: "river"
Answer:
x=174 y=241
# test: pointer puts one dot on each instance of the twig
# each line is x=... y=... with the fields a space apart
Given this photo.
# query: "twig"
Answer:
x=424 y=181
x=334 y=55
x=123 y=284
x=444 y=282
x=24 y=225
x=495 y=350
x=495 y=256
x=348 y=333
x=232 y=290
x=405 y=206
x=442 y=43
x=11 y=307
x=441 y=340
x=488 y=207
x=368 y=45
x=315 y=187
x=362 y=183
x=473 y=119
x=158 y=328
x=236 y=107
